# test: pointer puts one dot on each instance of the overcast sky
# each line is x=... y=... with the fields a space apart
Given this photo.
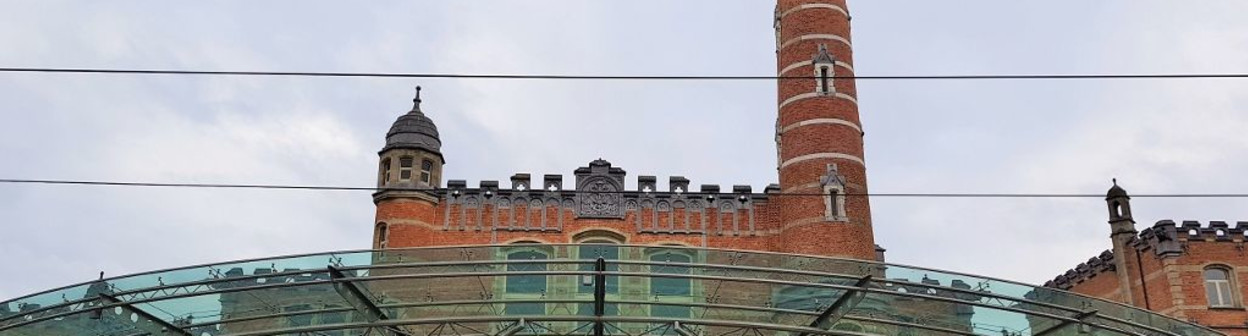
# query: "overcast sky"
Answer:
x=1156 y=136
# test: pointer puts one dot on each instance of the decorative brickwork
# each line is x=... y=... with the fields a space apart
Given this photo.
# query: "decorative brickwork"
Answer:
x=1164 y=269
x=819 y=146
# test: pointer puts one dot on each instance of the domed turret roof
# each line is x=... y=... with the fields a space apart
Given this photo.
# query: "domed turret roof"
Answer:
x=1116 y=191
x=414 y=130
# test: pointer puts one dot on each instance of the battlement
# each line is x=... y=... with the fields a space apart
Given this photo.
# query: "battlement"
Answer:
x=1165 y=239
x=599 y=193
x=1084 y=271
x=1165 y=236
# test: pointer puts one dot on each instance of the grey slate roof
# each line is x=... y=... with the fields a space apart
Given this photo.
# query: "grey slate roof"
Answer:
x=414 y=130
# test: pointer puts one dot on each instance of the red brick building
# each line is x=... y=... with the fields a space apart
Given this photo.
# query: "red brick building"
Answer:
x=820 y=151
x=1188 y=270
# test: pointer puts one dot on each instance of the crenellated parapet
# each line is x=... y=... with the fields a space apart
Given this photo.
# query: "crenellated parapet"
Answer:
x=599 y=193
x=1166 y=238
x=1084 y=271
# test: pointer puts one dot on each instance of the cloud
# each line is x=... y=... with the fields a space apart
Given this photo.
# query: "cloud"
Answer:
x=923 y=136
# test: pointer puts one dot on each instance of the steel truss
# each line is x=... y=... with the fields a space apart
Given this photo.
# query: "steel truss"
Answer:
x=350 y=289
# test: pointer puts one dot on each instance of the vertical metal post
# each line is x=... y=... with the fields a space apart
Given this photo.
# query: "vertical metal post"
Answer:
x=600 y=295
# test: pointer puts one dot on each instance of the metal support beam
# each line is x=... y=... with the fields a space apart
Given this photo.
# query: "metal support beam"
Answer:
x=1060 y=325
x=360 y=299
x=680 y=330
x=843 y=304
x=600 y=295
x=165 y=325
x=513 y=329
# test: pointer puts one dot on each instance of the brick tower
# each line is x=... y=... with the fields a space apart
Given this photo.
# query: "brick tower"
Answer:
x=819 y=135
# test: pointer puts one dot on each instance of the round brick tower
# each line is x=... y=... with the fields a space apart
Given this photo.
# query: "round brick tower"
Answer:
x=819 y=135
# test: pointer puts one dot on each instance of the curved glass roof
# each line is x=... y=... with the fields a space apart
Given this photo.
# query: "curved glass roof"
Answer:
x=506 y=290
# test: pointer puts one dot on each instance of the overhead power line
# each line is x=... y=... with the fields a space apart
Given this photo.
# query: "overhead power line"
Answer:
x=611 y=77
x=340 y=188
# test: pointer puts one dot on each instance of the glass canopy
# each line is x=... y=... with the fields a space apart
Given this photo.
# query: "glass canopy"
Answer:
x=618 y=290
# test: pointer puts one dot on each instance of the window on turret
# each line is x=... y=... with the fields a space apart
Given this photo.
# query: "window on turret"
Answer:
x=385 y=171
x=383 y=235
x=1219 y=288
x=426 y=171
x=405 y=168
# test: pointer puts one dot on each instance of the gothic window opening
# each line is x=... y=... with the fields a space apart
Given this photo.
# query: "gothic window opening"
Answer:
x=405 y=168
x=385 y=171
x=1219 y=288
x=426 y=171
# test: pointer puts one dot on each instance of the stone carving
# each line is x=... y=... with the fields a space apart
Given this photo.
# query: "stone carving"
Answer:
x=598 y=191
x=600 y=199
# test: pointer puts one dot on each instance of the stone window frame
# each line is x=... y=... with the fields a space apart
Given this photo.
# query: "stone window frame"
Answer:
x=385 y=171
x=383 y=234
x=426 y=171
x=1231 y=294
x=824 y=78
x=406 y=165
x=834 y=203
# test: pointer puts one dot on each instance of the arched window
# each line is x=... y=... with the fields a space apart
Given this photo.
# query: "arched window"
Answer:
x=383 y=235
x=526 y=287
x=385 y=171
x=405 y=168
x=664 y=289
x=599 y=244
x=1219 y=287
x=426 y=170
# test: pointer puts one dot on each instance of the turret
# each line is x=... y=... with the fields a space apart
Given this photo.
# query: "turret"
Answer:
x=1122 y=232
x=410 y=170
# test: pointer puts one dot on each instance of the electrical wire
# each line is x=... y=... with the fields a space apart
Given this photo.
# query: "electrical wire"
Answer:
x=790 y=194
x=611 y=77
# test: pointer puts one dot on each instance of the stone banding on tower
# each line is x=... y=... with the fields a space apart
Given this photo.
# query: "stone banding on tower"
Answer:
x=819 y=134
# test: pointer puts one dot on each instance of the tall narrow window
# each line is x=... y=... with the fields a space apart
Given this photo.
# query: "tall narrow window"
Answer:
x=383 y=235
x=385 y=171
x=602 y=249
x=835 y=204
x=526 y=287
x=405 y=168
x=1218 y=287
x=426 y=170
x=824 y=82
x=674 y=290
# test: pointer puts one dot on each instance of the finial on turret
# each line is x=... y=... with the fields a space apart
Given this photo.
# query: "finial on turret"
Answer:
x=416 y=101
x=1115 y=180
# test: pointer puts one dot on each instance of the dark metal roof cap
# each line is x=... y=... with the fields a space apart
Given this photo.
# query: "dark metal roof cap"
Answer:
x=1116 y=191
x=414 y=130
